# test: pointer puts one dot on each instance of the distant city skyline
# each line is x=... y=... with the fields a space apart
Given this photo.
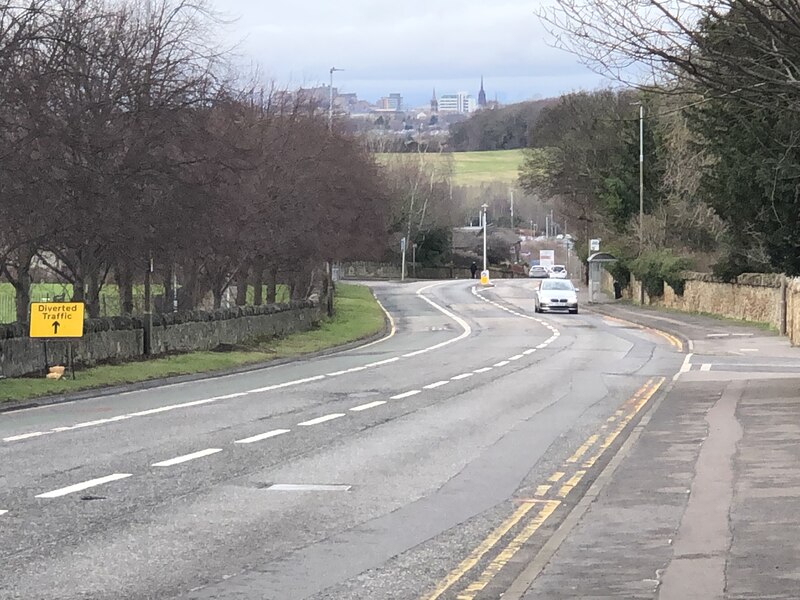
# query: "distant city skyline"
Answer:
x=423 y=45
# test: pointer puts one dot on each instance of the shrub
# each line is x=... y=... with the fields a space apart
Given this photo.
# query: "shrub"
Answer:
x=655 y=267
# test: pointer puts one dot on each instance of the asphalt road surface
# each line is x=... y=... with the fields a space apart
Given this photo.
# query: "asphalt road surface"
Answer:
x=432 y=464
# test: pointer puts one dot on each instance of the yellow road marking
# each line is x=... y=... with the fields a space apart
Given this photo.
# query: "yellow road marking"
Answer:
x=571 y=483
x=475 y=556
x=582 y=450
x=639 y=399
x=623 y=423
x=501 y=560
x=670 y=338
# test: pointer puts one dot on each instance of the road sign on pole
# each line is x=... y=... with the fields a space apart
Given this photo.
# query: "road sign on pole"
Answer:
x=56 y=319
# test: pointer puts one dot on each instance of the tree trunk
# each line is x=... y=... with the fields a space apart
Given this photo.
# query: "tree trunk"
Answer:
x=22 y=283
x=218 y=294
x=258 y=283
x=169 y=290
x=272 y=285
x=93 y=295
x=124 y=277
x=241 y=290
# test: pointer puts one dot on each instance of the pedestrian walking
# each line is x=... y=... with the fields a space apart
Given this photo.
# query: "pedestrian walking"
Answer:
x=473 y=268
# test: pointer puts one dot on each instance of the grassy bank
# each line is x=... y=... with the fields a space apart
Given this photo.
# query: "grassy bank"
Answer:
x=357 y=316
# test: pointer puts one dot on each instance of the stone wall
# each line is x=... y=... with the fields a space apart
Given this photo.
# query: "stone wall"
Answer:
x=754 y=299
x=368 y=270
x=24 y=356
x=186 y=337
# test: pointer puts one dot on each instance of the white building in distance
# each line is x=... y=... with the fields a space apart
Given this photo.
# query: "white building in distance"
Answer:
x=461 y=102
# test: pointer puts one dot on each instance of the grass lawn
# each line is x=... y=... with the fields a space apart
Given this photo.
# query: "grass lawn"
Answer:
x=476 y=168
x=357 y=316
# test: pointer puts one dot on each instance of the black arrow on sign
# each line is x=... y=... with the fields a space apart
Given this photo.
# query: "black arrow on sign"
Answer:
x=56 y=325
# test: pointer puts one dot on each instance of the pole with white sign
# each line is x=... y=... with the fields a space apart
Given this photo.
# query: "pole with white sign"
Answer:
x=403 y=262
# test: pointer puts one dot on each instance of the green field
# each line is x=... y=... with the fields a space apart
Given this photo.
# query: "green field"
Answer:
x=477 y=168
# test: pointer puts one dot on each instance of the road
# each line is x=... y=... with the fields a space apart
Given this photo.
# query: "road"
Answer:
x=435 y=463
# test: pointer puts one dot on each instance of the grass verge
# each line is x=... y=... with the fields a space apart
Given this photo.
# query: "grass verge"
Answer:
x=357 y=316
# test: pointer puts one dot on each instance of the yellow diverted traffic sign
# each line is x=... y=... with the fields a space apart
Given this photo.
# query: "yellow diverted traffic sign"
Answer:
x=56 y=320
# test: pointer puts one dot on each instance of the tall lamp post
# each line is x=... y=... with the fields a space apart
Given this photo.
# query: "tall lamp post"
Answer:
x=330 y=103
x=485 y=264
x=641 y=189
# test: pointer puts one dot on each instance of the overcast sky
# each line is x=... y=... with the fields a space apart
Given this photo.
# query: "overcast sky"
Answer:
x=409 y=47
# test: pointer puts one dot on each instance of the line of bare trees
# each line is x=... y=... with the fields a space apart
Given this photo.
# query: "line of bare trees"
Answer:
x=127 y=146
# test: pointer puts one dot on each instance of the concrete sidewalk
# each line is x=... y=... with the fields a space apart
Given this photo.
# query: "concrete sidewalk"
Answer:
x=704 y=505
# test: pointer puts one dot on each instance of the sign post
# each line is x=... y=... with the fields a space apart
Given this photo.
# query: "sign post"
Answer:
x=57 y=320
x=403 y=263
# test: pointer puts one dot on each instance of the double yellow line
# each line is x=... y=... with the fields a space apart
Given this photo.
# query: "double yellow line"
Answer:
x=667 y=336
x=622 y=417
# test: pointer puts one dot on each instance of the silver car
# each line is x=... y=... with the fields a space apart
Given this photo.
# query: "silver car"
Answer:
x=556 y=295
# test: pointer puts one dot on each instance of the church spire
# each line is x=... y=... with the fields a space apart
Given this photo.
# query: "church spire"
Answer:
x=482 y=95
x=434 y=102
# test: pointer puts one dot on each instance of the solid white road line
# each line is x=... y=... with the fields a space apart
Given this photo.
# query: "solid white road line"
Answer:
x=368 y=405
x=186 y=457
x=502 y=363
x=432 y=386
x=309 y=487
x=319 y=420
x=84 y=486
x=382 y=362
x=464 y=325
x=483 y=370
x=24 y=436
x=705 y=367
x=405 y=395
x=262 y=436
x=748 y=349
x=462 y=376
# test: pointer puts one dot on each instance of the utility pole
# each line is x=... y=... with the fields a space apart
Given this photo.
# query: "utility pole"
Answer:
x=330 y=104
x=512 y=208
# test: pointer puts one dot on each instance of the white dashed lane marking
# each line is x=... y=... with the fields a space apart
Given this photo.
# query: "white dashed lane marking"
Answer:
x=368 y=405
x=79 y=487
x=405 y=395
x=502 y=363
x=186 y=457
x=2 y=512
x=319 y=420
x=262 y=436
x=432 y=386
x=483 y=370
x=515 y=357
x=462 y=376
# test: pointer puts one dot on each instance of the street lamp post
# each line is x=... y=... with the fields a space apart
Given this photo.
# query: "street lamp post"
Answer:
x=641 y=176
x=484 y=207
x=330 y=103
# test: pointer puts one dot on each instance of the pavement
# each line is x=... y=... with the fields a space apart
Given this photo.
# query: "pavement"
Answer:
x=479 y=451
